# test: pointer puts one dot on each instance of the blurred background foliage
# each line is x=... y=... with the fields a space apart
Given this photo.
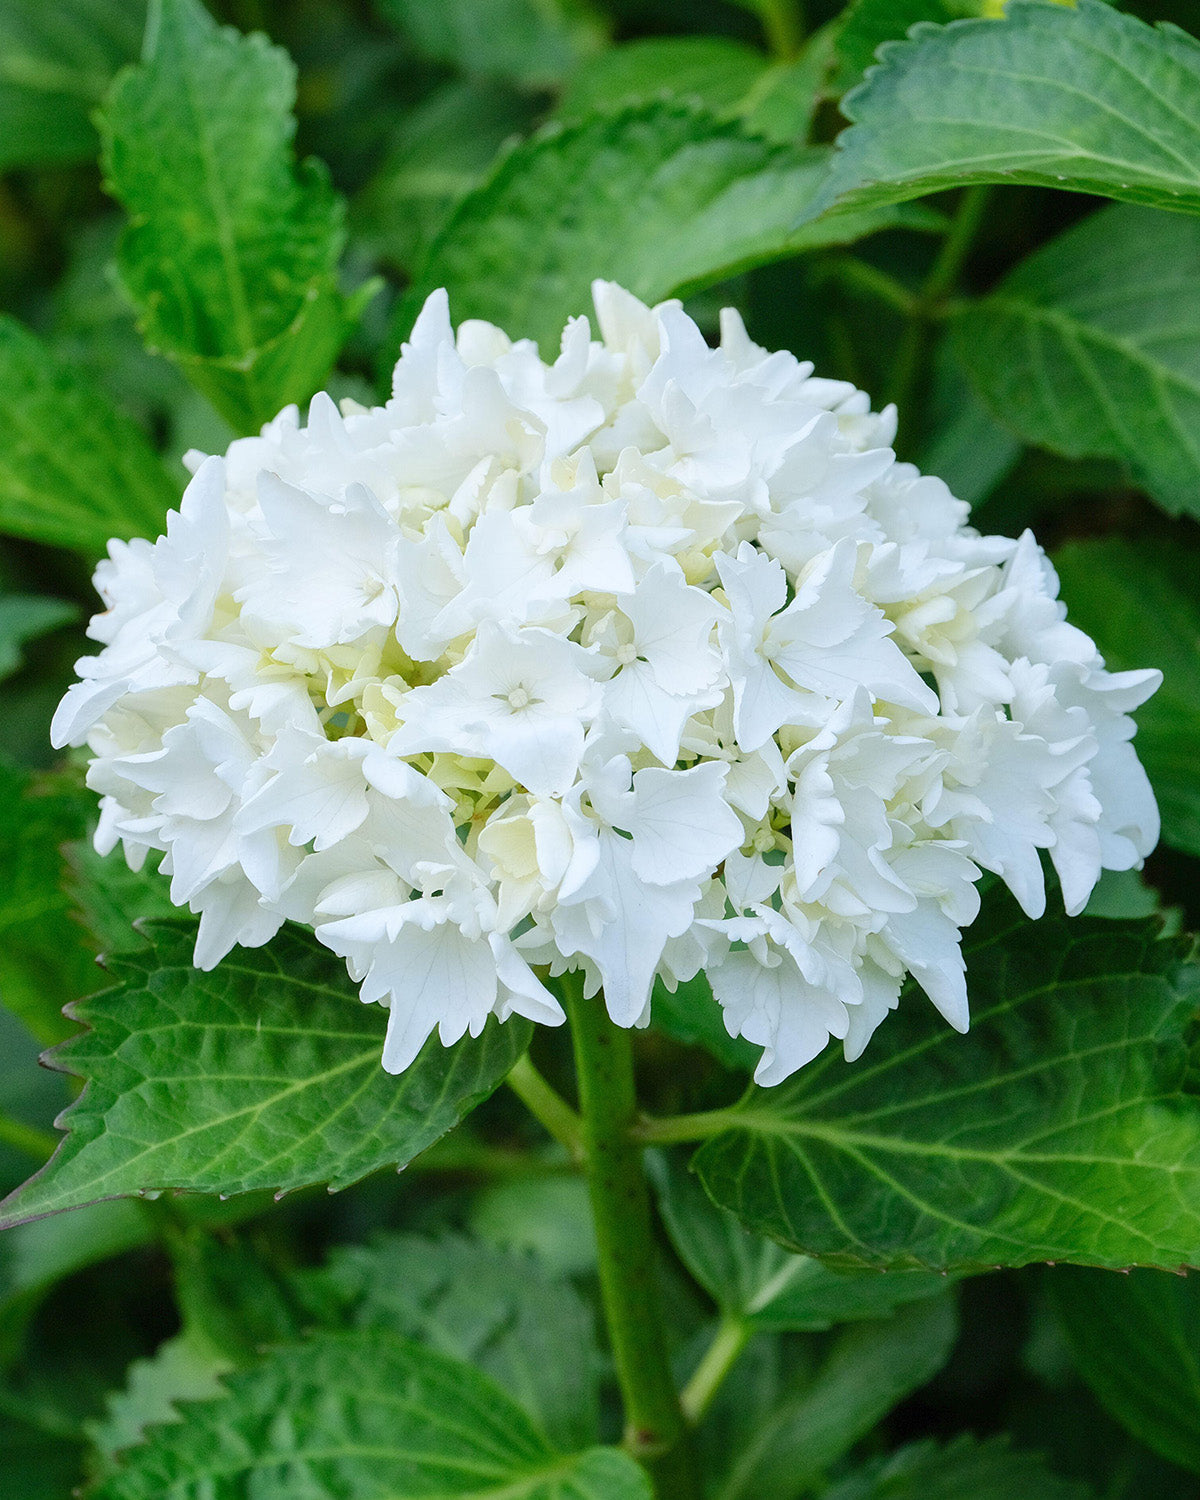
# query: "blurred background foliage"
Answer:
x=418 y=110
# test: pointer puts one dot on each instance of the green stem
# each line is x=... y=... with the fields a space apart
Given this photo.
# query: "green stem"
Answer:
x=732 y=1336
x=927 y=305
x=547 y=1106
x=948 y=263
x=783 y=22
x=862 y=276
x=655 y=1431
x=672 y=1130
x=28 y=1139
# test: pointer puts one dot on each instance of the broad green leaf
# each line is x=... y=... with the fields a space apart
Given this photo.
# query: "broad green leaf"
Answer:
x=867 y=24
x=1092 y=348
x=93 y=328
x=367 y=1414
x=965 y=1469
x=870 y=1367
x=232 y=1299
x=496 y=1310
x=441 y=150
x=782 y=105
x=74 y=471
x=763 y=1285
x=181 y=1369
x=715 y=71
x=547 y=1217
x=690 y=1014
x=535 y=43
x=45 y=958
x=1063 y=1127
x=25 y=617
x=264 y=1073
x=1083 y=98
x=967 y=446
x=108 y=897
x=1137 y=599
x=55 y=63
x=662 y=197
x=1121 y=894
x=1137 y=1344
x=231 y=251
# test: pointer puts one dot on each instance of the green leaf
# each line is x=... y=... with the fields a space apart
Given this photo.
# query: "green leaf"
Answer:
x=782 y=105
x=108 y=897
x=25 y=617
x=74 y=471
x=231 y=252
x=1106 y=584
x=1082 y=98
x=371 y=1415
x=232 y=1299
x=1121 y=894
x=987 y=1470
x=55 y=63
x=548 y=1217
x=1063 y=1127
x=662 y=197
x=45 y=958
x=967 y=446
x=690 y=1014
x=496 y=1310
x=715 y=71
x=441 y=150
x=1091 y=348
x=870 y=1368
x=182 y=1369
x=758 y=1282
x=1137 y=1344
x=532 y=42
x=867 y=24
x=264 y=1073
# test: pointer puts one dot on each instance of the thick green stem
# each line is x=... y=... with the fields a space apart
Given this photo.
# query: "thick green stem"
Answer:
x=655 y=1430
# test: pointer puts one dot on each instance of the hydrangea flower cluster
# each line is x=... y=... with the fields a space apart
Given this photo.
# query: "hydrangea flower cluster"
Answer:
x=649 y=661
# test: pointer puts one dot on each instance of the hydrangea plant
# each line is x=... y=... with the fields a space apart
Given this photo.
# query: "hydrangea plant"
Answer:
x=653 y=660
x=553 y=732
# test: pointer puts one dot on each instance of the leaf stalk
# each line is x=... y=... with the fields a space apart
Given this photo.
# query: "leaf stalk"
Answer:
x=732 y=1336
x=547 y=1106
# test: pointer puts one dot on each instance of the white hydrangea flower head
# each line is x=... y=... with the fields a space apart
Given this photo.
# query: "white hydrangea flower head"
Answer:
x=647 y=661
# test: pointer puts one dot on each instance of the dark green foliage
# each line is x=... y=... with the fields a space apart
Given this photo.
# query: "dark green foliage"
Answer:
x=1048 y=344
x=1106 y=584
x=1064 y=1126
x=233 y=267
x=1082 y=97
x=262 y=1074
x=1137 y=1342
x=171 y=279
x=73 y=469
x=663 y=197
x=372 y=1415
